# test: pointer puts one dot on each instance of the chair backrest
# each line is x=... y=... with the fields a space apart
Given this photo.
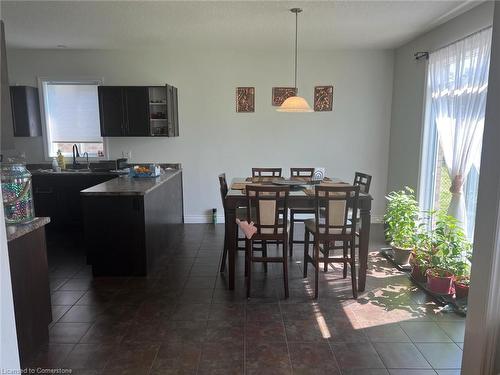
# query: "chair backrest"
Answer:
x=223 y=188
x=363 y=181
x=266 y=172
x=301 y=172
x=265 y=204
x=333 y=204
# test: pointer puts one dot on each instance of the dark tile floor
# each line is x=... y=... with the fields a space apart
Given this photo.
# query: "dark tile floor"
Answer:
x=183 y=320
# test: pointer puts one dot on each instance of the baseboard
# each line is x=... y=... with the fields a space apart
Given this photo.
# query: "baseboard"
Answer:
x=204 y=219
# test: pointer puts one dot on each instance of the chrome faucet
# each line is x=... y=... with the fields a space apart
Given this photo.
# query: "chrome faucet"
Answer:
x=76 y=154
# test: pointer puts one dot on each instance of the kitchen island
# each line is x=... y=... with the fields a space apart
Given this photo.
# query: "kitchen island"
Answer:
x=129 y=222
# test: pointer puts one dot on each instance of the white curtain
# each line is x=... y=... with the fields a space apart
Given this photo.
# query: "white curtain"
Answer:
x=458 y=78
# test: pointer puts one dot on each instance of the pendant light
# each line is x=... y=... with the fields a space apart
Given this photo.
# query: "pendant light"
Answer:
x=295 y=103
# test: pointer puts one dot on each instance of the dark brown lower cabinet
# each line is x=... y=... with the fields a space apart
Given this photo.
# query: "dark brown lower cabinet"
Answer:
x=30 y=291
x=57 y=195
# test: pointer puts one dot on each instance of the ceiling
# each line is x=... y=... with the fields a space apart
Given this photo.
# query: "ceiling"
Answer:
x=219 y=24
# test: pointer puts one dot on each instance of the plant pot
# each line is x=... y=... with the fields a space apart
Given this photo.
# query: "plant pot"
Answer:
x=419 y=274
x=440 y=284
x=461 y=290
x=388 y=239
x=401 y=255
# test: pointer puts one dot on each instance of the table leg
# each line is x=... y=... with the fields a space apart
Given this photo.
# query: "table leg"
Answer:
x=364 y=239
x=231 y=233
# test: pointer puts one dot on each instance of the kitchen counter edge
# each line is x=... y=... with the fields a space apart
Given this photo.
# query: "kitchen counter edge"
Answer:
x=15 y=231
x=126 y=185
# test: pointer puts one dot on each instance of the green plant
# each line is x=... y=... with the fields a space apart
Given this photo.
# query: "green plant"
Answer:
x=401 y=218
x=424 y=241
x=450 y=248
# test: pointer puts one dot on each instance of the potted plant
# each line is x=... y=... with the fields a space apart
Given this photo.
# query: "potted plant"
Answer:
x=419 y=264
x=449 y=245
x=401 y=219
x=462 y=285
x=420 y=260
x=461 y=269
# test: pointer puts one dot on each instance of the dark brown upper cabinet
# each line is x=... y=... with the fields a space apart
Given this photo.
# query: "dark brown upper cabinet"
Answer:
x=111 y=111
x=138 y=111
x=172 y=112
x=25 y=111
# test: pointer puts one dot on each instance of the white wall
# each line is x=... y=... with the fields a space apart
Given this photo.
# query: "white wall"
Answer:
x=9 y=355
x=482 y=332
x=214 y=139
x=409 y=93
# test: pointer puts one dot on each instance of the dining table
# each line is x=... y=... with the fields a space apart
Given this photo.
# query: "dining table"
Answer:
x=299 y=197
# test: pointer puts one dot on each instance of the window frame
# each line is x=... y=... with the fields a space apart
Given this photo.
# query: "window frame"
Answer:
x=41 y=93
x=428 y=151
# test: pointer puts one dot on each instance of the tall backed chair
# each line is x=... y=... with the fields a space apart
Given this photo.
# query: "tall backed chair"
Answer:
x=299 y=174
x=332 y=226
x=240 y=214
x=266 y=172
x=268 y=203
x=364 y=181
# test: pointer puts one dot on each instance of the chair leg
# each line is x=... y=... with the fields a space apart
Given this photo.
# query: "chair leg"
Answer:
x=264 y=254
x=292 y=224
x=353 y=272
x=285 y=268
x=248 y=264
x=326 y=255
x=306 y=251
x=345 y=254
x=316 y=269
x=224 y=255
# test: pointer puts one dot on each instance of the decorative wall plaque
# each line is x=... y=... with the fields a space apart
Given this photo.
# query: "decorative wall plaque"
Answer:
x=245 y=99
x=280 y=94
x=323 y=98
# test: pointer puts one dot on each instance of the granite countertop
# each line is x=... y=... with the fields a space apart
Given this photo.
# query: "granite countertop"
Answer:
x=18 y=230
x=126 y=185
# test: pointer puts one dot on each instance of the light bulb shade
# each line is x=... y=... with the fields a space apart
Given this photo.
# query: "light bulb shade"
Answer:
x=295 y=104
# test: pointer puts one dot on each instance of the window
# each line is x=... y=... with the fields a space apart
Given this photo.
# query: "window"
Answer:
x=72 y=117
x=457 y=85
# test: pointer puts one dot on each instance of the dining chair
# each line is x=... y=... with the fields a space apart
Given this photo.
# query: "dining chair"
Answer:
x=240 y=214
x=305 y=174
x=298 y=173
x=266 y=172
x=331 y=225
x=362 y=180
x=268 y=203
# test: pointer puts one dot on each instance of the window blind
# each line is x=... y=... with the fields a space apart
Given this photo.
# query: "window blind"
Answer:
x=72 y=112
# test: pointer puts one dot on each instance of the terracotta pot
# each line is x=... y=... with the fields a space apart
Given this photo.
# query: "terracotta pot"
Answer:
x=419 y=274
x=440 y=284
x=461 y=290
x=401 y=255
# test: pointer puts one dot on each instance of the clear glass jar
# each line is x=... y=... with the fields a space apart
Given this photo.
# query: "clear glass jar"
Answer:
x=16 y=193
